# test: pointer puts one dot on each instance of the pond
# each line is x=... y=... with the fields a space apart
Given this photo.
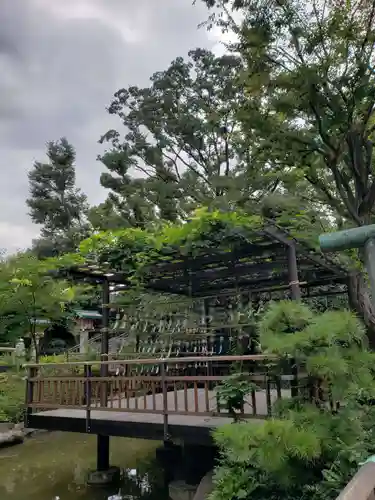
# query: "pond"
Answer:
x=52 y=466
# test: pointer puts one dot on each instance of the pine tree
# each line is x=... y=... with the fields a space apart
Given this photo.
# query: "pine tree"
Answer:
x=55 y=202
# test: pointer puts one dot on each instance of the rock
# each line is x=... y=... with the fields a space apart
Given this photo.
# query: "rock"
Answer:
x=6 y=426
x=11 y=434
x=11 y=437
x=104 y=478
x=180 y=490
x=205 y=487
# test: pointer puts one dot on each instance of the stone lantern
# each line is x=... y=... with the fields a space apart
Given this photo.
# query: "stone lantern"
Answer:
x=85 y=323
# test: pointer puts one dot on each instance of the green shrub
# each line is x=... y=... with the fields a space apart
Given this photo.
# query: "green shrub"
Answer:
x=232 y=391
x=55 y=358
x=307 y=451
x=12 y=397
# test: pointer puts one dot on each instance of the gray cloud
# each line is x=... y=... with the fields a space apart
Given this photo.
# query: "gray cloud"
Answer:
x=60 y=63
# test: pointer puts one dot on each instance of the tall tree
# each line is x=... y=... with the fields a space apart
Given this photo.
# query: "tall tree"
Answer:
x=183 y=145
x=55 y=202
x=308 y=73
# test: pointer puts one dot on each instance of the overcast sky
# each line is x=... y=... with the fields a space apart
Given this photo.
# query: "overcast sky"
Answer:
x=60 y=63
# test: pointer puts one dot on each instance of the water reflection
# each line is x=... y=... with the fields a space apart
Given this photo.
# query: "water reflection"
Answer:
x=135 y=486
x=52 y=466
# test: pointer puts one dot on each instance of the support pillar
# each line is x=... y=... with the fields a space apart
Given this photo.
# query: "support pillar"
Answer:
x=105 y=474
x=105 y=325
x=293 y=272
x=102 y=457
x=197 y=460
x=295 y=295
x=102 y=453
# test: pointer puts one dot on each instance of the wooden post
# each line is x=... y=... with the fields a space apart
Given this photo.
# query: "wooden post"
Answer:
x=105 y=326
x=87 y=372
x=165 y=402
x=293 y=272
x=29 y=395
x=103 y=441
x=295 y=295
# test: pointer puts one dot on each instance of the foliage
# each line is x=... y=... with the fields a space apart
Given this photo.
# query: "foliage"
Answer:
x=12 y=397
x=306 y=451
x=105 y=217
x=55 y=202
x=134 y=249
x=286 y=316
x=310 y=94
x=309 y=79
x=232 y=391
x=183 y=138
x=53 y=359
x=28 y=292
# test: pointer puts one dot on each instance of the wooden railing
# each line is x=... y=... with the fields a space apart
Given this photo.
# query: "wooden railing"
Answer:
x=179 y=386
x=362 y=486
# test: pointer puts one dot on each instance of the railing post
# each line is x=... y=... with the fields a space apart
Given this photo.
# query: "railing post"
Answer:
x=268 y=393
x=29 y=394
x=104 y=383
x=165 y=401
x=87 y=374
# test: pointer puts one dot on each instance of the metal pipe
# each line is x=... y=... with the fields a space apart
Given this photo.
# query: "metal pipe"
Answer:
x=370 y=264
x=349 y=238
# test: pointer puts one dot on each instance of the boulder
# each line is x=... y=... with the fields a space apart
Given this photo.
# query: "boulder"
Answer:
x=13 y=436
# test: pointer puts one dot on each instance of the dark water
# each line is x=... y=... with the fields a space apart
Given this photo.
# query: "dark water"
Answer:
x=55 y=465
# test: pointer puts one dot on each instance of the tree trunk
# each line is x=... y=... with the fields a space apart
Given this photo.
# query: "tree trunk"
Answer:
x=34 y=341
x=360 y=301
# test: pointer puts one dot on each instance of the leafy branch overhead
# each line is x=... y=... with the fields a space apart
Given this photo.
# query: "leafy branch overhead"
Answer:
x=310 y=94
x=133 y=250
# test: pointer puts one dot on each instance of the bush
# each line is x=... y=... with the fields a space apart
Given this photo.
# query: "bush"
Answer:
x=12 y=397
x=70 y=369
x=55 y=358
x=309 y=451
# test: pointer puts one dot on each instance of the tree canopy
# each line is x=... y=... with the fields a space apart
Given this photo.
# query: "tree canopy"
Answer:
x=184 y=143
x=309 y=84
x=28 y=293
x=55 y=202
x=310 y=91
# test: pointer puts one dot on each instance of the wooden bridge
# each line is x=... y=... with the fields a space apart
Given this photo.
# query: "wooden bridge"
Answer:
x=150 y=398
x=161 y=399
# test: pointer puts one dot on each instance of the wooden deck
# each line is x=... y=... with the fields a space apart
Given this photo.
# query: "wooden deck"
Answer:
x=140 y=423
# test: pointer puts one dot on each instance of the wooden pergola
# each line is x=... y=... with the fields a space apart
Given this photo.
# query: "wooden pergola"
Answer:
x=270 y=260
